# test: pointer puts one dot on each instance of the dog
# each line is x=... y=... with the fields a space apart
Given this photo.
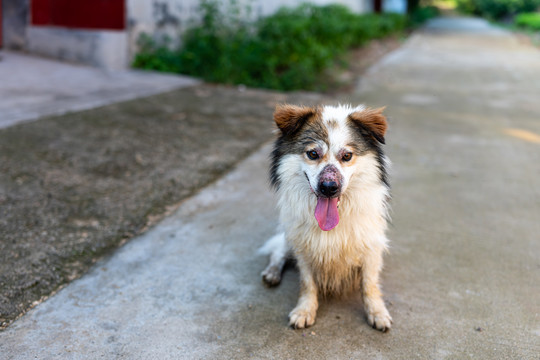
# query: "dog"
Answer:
x=330 y=174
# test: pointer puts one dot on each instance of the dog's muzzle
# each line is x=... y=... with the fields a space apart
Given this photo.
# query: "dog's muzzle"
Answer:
x=330 y=180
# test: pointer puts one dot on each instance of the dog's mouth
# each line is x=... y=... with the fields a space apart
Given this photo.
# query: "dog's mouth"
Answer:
x=326 y=211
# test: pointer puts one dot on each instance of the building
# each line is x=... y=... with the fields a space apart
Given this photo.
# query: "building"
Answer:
x=104 y=33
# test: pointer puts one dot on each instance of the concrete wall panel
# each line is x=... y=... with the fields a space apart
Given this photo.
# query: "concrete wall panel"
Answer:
x=107 y=49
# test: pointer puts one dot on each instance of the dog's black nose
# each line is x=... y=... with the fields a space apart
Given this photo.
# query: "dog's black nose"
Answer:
x=329 y=188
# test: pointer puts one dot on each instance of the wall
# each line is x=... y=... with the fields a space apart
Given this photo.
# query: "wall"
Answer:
x=396 y=6
x=172 y=17
x=158 y=17
x=270 y=6
x=105 y=49
x=15 y=18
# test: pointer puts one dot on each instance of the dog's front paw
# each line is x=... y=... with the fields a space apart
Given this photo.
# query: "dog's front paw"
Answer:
x=301 y=318
x=271 y=276
x=380 y=319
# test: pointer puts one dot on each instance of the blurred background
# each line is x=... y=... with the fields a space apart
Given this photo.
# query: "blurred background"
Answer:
x=249 y=42
x=105 y=32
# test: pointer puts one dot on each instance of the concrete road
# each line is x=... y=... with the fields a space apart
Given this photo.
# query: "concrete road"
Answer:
x=462 y=279
x=33 y=87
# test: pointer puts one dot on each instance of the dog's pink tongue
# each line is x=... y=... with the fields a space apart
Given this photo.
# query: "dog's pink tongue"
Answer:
x=326 y=213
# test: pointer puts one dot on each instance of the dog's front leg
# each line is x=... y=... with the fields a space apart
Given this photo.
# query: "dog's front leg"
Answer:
x=303 y=315
x=377 y=314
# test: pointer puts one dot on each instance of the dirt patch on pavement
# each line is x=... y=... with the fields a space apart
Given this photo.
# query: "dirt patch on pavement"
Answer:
x=76 y=186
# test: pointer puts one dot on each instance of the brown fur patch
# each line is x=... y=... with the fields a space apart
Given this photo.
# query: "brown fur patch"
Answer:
x=290 y=118
x=372 y=120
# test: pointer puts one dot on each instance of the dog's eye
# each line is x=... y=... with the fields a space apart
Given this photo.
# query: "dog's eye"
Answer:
x=312 y=155
x=347 y=157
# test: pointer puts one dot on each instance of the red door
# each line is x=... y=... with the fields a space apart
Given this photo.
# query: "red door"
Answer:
x=82 y=14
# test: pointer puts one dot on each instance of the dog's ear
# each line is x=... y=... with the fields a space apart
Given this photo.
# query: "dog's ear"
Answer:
x=371 y=121
x=290 y=118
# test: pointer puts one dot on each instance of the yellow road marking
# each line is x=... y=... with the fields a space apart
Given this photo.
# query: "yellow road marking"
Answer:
x=523 y=135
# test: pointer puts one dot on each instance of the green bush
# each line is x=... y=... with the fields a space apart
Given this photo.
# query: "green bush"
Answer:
x=466 y=6
x=497 y=9
x=288 y=50
x=421 y=14
x=528 y=20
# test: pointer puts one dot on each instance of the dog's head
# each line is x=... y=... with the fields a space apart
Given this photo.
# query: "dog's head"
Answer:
x=328 y=146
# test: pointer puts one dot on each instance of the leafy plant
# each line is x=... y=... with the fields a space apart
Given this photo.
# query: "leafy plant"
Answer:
x=287 y=50
x=528 y=20
x=497 y=9
x=422 y=14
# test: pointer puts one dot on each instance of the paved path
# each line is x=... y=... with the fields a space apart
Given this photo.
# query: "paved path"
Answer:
x=33 y=87
x=462 y=279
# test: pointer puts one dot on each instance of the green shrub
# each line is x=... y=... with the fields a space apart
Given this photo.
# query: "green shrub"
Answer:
x=528 y=20
x=154 y=56
x=497 y=9
x=287 y=50
x=421 y=14
x=466 y=6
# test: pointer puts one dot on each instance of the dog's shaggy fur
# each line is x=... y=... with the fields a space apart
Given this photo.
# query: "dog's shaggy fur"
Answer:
x=323 y=158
